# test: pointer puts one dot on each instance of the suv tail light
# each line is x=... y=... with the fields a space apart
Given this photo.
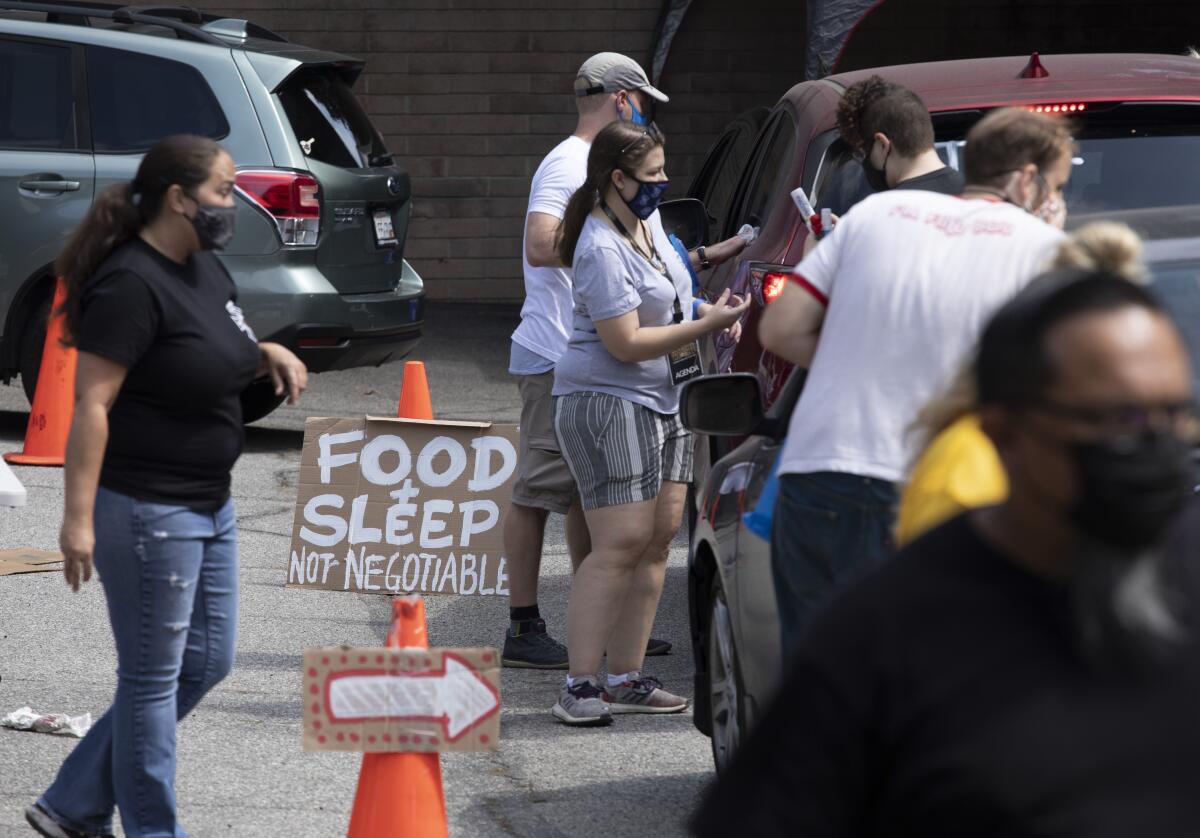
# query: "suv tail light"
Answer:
x=767 y=281
x=291 y=199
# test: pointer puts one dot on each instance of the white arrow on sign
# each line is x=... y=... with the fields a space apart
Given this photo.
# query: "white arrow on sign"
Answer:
x=456 y=696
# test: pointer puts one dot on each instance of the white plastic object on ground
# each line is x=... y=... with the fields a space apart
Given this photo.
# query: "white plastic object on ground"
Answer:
x=57 y=723
x=12 y=493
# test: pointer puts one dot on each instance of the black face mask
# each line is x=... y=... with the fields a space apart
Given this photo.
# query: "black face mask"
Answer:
x=1132 y=490
x=215 y=226
x=876 y=178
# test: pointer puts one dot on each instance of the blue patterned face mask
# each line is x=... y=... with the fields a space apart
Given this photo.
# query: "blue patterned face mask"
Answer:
x=648 y=197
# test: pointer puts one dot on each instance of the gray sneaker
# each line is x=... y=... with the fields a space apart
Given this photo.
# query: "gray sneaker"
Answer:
x=643 y=695
x=582 y=705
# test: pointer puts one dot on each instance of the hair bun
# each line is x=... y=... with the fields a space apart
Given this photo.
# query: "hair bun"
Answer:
x=1104 y=246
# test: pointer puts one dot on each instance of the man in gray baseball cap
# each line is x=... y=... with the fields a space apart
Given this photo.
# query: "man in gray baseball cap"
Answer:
x=544 y=483
x=611 y=72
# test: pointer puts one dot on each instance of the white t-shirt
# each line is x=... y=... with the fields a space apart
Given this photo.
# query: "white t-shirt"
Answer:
x=911 y=278
x=546 y=315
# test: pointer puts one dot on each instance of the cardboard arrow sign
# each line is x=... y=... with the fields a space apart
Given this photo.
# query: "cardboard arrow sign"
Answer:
x=454 y=696
x=385 y=699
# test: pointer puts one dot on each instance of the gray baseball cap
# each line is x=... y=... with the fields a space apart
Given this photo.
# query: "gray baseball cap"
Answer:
x=608 y=72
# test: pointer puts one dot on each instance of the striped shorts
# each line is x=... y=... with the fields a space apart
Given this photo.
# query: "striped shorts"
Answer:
x=620 y=452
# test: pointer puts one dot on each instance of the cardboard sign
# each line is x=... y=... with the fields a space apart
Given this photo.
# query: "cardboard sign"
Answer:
x=29 y=560
x=399 y=506
x=394 y=700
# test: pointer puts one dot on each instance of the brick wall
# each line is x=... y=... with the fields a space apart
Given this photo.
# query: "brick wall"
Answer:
x=470 y=94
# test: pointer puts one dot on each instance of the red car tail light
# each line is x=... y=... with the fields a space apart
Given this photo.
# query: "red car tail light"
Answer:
x=767 y=281
x=773 y=286
x=291 y=199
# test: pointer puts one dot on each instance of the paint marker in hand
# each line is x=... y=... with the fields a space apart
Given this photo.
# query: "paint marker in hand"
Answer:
x=811 y=219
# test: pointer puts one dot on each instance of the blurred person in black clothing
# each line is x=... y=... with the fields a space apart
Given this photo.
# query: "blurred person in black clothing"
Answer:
x=1029 y=669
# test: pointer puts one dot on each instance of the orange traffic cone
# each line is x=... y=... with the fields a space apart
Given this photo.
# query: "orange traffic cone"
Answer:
x=414 y=393
x=54 y=399
x=401 y=794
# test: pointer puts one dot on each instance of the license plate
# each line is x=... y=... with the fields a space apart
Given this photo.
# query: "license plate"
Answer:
x=385 y=231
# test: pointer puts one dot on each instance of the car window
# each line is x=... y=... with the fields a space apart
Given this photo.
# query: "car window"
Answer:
x=768 y=171
x=717 y=182
x=714 y=186
x=1177 y=285
x=36 y=97
x=841 y=182
x=329 y=121
x=136 y=100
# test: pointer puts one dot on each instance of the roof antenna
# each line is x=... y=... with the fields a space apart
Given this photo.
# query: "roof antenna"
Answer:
x=1034 y=69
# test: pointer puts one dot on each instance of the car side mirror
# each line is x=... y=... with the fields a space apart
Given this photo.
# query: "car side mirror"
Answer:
x=687 y=219
x=722 y=405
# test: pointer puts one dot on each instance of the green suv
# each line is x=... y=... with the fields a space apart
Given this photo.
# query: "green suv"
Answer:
x=86 y=89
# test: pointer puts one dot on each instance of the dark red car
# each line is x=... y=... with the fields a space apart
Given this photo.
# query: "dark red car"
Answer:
x=1138 y=125
x=1138 y=133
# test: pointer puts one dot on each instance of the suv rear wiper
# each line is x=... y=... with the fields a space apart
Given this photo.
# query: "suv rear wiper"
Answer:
x=382 y=159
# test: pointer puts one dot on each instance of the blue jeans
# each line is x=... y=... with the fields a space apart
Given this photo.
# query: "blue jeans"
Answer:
x=170 y=577
x=828 y=529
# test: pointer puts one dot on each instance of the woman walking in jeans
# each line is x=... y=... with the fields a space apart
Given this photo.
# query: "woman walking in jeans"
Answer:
x=616 y=416
x=163 y=356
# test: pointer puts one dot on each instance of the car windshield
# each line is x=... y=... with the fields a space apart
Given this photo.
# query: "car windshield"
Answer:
x=1132 y=164
x=1129 y=157
x=329 y=121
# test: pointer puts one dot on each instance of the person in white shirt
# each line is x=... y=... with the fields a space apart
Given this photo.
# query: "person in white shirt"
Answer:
x=609 y=86
x=882 y=313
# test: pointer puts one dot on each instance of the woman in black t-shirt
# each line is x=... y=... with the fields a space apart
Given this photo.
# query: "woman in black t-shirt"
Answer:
x=163 y=355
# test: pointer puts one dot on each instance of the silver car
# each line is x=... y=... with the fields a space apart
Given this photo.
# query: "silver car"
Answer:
x=86 y=89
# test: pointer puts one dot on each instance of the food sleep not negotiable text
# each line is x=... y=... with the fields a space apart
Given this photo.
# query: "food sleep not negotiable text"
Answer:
x=396 y=506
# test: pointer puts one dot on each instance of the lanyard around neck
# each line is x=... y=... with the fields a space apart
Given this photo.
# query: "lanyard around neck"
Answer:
x=677 y=312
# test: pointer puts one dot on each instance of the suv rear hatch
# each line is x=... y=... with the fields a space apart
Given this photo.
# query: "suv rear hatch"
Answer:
x=365 y=199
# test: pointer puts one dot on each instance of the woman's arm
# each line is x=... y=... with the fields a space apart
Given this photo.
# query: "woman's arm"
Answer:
x=97 y=382
x=288 y=373
x=629 y=342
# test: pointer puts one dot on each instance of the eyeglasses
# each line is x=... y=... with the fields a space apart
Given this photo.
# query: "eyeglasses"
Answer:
x=650 y=131
x=1131 y=420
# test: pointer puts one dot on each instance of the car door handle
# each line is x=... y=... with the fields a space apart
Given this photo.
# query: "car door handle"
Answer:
x=50 y=185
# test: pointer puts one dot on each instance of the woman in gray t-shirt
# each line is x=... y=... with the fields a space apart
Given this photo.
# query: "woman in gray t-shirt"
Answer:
x=616 y=415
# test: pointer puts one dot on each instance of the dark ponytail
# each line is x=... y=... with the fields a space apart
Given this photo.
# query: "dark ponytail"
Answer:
x=121 y=211
x=619 y=145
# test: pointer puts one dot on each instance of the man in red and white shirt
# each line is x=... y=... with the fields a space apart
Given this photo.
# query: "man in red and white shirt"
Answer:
x=883 y=313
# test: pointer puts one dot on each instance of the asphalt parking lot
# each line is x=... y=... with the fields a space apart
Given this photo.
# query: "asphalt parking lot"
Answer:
x=241 y=767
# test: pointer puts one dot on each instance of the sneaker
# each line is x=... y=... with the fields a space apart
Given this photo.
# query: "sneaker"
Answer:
x=643 y=695
x=582 y=705
x=533 y=649
x=656 y=646
x=40 y=820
